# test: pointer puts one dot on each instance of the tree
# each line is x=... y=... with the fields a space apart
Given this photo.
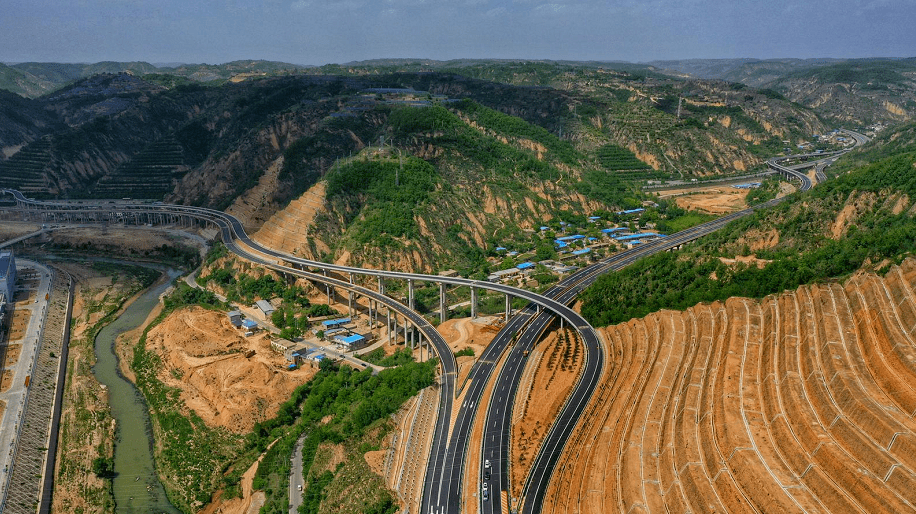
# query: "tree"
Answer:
x=103 y=467
x=545 y=251
x=278 y=318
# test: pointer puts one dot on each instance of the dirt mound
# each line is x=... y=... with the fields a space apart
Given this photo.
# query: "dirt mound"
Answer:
x=800 y=402
x=227 y=379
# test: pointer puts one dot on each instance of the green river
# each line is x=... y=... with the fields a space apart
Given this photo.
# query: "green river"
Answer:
x=136 y=487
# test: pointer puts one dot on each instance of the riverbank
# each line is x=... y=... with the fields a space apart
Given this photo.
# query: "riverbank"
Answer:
x=87 y=428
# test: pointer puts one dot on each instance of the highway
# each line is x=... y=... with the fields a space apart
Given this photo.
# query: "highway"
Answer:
x=446 y=462
x=442 y=483
x=495 y=446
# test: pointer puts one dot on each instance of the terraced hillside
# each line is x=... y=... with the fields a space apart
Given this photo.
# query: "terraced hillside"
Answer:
x=799 y=402
x=25 y=170
x=150 y=174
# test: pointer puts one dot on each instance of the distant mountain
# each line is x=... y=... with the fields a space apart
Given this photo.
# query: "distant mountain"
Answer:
x=860 y=91
x=852 y=91
x=752 y=72
x=34 y=79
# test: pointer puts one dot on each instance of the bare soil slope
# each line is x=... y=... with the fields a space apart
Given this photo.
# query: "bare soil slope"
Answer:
x=227 y=379
x=799 y=402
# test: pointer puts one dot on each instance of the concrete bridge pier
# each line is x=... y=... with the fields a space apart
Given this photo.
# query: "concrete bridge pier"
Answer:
x=381 y=285
x=388 y=326
x=473 y=302
x=443 y=308
x=405 y=330
x=327 y=289
x=350 y=304
x=508 y=307
x=410 y=296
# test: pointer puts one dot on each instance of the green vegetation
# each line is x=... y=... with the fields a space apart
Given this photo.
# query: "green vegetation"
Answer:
x=767 y=191
x=617 y=158
x=103 y=467
x=377 y=356
x=683 y=222
x=466 y=352
x=187 y=295
x=804 y=254
x=506 y=125
x=190 y=456
x=382 y=196
x=359 y=405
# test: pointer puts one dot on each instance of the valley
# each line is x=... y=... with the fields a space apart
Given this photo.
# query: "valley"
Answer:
x=550 y=261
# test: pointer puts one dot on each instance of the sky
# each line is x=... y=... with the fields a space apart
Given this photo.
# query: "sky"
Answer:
x=316 y=32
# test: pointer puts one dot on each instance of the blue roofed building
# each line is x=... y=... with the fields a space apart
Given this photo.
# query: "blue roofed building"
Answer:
x=525 y=265
x=334 y=323
x=351 y=341
x=582 y=251
x=249 y=326
x=638 y=235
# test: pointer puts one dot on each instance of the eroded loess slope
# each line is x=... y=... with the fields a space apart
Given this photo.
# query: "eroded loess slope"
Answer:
x=227 y=379
x=799 y=402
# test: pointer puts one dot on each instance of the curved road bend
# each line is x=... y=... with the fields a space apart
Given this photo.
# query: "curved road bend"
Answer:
x=230 y=227
x=441 y=461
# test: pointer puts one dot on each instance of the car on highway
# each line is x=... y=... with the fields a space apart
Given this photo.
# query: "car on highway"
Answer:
x=486 y=496
x=485 y=488
x=486 y=476
x=486 y=463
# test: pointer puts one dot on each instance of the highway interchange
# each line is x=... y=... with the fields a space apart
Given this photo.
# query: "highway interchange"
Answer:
x=443 y=480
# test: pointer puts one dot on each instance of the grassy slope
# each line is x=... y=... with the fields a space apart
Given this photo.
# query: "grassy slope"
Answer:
x=475 y=160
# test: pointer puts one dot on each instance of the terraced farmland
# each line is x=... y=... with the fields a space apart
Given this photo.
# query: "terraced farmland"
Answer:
x=150 y=174
x=799 y=402
x=25 y=170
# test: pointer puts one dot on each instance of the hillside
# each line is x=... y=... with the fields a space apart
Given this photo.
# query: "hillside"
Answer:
x=799 y=402
x=462 y=180
x=721 y=127
x=507 y=155
x=864 y=217
x=35 y=79
x=860 y=92
x=851 y=91
x=751 y=72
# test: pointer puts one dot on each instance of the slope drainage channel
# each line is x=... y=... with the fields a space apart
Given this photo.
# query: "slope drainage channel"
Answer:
x=136 y=486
